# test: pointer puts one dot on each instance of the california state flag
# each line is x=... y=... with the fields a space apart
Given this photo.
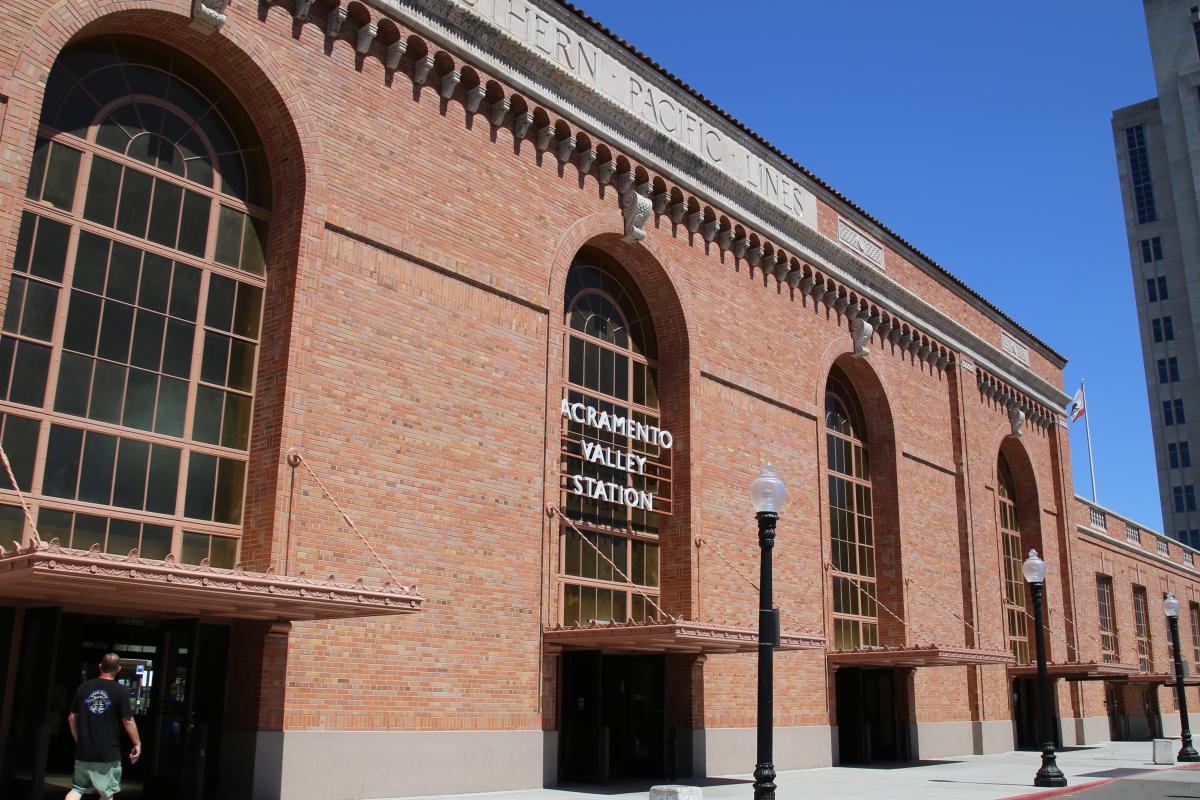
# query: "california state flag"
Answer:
x=1077 y=409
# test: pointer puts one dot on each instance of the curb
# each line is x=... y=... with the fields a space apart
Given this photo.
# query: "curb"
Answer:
x=1070 y=790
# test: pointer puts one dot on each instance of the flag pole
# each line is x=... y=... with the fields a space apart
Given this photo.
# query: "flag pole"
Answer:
x=1087 y=423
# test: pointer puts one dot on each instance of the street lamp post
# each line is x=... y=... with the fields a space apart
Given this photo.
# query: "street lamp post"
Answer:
x=1186 y=751
x=767 y=493
x=1034 y=570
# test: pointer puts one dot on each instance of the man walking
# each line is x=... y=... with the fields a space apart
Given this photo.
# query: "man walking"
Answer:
x=100 y=710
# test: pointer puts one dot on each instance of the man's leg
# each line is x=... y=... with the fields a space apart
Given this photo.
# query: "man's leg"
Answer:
x=74 y=795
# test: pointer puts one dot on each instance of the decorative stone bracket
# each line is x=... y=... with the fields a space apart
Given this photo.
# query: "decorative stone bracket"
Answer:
x=1016 y=419
x=208 y=15
x=860 y=332
x=635 y=207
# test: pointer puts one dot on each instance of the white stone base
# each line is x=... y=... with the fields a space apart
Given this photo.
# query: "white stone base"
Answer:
x=1078 y=731
x=993 y=736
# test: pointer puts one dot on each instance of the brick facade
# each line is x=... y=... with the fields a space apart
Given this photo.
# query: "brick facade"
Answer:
x=412 y=350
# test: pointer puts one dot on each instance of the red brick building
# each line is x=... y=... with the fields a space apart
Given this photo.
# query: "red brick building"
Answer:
x=384 y=381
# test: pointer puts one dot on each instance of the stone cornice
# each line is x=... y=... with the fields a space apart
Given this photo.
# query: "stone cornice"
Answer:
x=471 y=36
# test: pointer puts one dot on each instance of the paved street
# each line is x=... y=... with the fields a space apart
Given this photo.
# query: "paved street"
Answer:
x=1119 y=770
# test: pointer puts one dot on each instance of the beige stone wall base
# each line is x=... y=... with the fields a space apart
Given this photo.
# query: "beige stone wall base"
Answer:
x=1084 y=730
x=318 y=765
x=731 y=751
x=993 y=736
x=942 y=739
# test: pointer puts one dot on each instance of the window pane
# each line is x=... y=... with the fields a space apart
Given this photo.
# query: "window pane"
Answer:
x=101 y=205
x=122 y=536
x=139 y=400
x=156 y=282
x=54 y=524
x=254 y=244
x=185 y=291
x=41 y=300
x=156 y=542
x=83 y=323
x=37 y=168
x=89 y=530
x=62 y=461
x=147 y=340
x=133 y=457
x=172 y=405
x=50 y=250
x=163 y=485
x=61 y=177
x=91 y=260
x=229 y=236
x=177 y=349
x=224 y=551
x=20 y=442
x=241 y=365
x=123 y=271
x=116 y=330
x=164 y=216
x=216 y=358
x=96 y=473
x=235 y=432
x=16 y=300
x=194 y=548
x=193 y=228
x=135 y=203
x=231 y=477
x=206 y=426
x=201 y=480
x=246 y=315
x=108 y=388
x=32 y=363
x=219 y=312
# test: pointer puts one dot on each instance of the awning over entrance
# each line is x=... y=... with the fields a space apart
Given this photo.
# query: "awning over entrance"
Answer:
x=1077 y=670
x=670 y=636
x=1159 y=677
x=931 y=656
x=98 y=582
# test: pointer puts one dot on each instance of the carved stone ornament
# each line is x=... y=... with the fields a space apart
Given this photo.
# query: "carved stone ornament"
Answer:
x=208 y=15
x=740 y=246
x=754 y=256
x=300 y=11
x=710 y=231
x=605 y=171
x=678 y=211
x=725 y=239
x=366 y=36
x=860 y=332
x=421 y=69
x=498 y=110
x=448 y=84
x=624 y=181
x=586 y=159
x=395 y=51
x=473 y=98
x=521 y=123
x=782 y=268
x=542 y=137
x=333 y=22
x=636 y=208
x=564 y=148
x=659 y=201
x=1016 y=419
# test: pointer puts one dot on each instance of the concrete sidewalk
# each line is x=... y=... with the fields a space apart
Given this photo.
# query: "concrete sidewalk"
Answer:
x=1006 y=775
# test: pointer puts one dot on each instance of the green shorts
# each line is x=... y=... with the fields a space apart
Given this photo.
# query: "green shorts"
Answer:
x=103 y=777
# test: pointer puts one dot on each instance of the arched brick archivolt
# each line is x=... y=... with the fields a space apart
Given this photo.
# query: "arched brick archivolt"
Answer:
x=657 y=281
x=871 y=395
x=275 y=105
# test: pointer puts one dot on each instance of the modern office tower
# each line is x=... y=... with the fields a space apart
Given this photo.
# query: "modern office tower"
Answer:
x=1158 y=158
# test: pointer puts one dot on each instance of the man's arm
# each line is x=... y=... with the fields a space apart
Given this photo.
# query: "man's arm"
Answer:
x=71 y=725
x=132 y=731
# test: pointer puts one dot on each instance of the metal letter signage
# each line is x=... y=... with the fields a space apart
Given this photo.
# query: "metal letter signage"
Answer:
x=647 y=96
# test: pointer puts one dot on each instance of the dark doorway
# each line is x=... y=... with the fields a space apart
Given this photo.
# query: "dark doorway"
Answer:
x=1025 y=715
x=872 y=715
x=175 y=673
x=1133 y=712
x=613 y=719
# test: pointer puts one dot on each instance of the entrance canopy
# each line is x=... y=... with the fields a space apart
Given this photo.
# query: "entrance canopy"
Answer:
x=670 y=636
x=1077 y=670
x=931 y=656
x=93 y=581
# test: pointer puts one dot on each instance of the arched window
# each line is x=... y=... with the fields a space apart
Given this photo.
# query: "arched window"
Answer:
x=851 y=521
x=1014 y=580
x=616 y=465
x=130 y=344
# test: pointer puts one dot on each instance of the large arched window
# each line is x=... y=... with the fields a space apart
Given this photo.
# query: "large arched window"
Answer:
x=615 y=463
x=130 y=344
x=851 y=521
x=1014 y=580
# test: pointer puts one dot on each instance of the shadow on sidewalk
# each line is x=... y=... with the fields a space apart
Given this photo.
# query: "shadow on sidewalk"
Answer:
x=642 y=787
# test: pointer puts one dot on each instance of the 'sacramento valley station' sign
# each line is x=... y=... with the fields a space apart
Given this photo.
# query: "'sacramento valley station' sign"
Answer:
x=612 y=458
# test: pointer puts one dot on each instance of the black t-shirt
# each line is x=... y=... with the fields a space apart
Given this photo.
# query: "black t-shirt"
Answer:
x=101 y=706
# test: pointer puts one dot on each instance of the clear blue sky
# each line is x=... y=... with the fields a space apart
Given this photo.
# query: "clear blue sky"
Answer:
x=977 y=131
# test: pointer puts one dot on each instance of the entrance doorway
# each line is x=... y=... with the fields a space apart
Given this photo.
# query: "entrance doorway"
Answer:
x=175 y=674
x=872 y=715
x=1025 y=715
x=1133 y=712
x=613 y=721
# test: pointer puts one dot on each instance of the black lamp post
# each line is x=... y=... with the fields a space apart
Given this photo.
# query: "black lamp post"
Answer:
x=1186 y=751
x=1034 y=570
x=767 y=493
